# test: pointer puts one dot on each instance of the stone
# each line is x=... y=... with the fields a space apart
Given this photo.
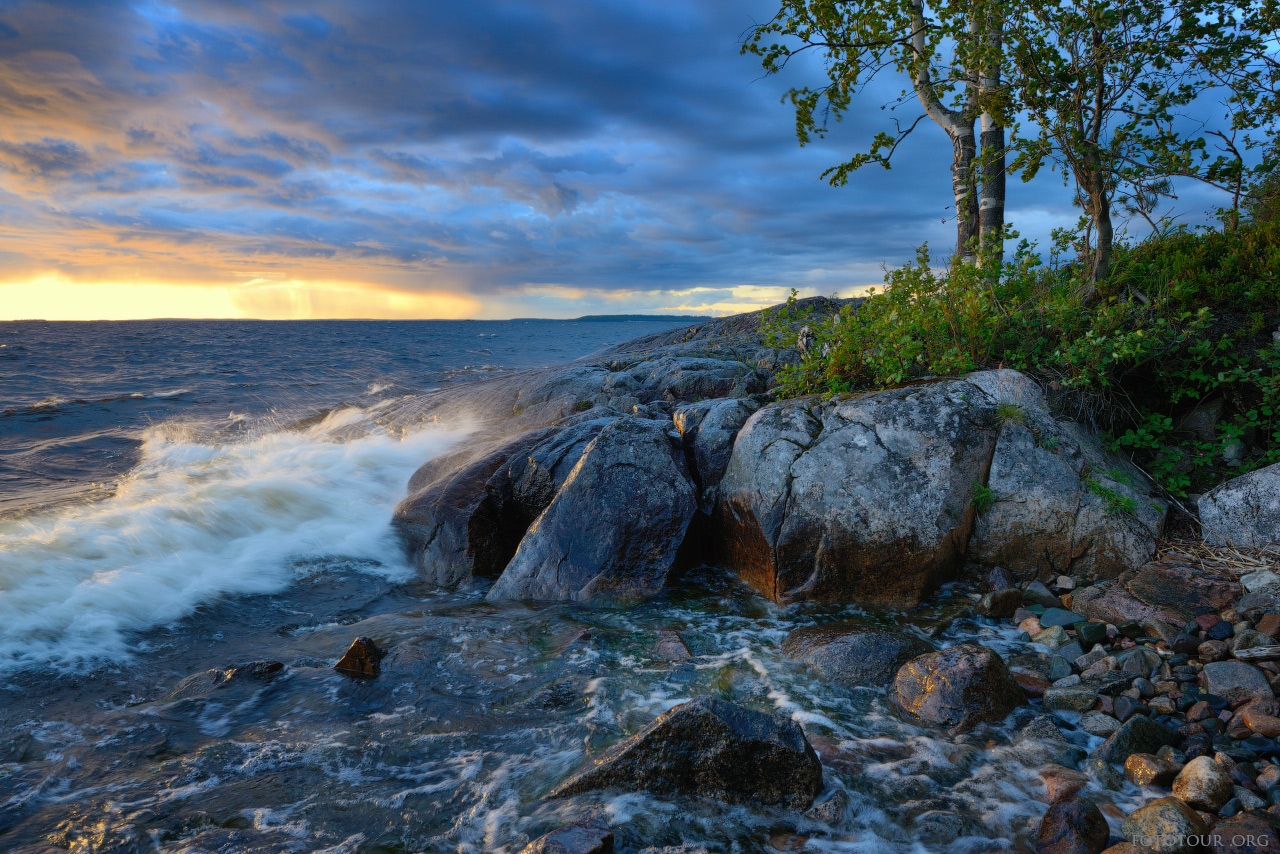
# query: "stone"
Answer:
x=1072 y=826
x=1046 y=518
x=1036 y=593
x=956 y=688
x=997 y=579
x=865 y=498
x=1269 y=625
x=1245 y=511
x=1220 y=630
x=240 y=676
x=1059 y=617
x=361 y=659
x=1267 y=726
x=1059 y=668
x=1061 y=783
x=1032 y=684
x=1000 y=604
x=1246 y=833
x=708 y=429
x=1052 y=637
x=1096 y=723
x=587 y=836
x=1071 y=699
x=1235 y=680
x=852 y=654
x=612 y=532
x=1139 y=734
x=1144 y=769
x=1090 y=634
x=671 y=647
x=1255 y=582
x=1213 y=650
x=710 y=748
x=1162 y=594
x=1203 y=784
x=937 y=828
x=1166 y=826
x=1248 y=639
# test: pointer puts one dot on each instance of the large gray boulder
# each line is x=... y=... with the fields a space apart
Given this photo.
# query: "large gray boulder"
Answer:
x=956 y=688
x=710 y=748
x=1244 y=511
x=468 y=510
x=854 y=655
x=1063 y=505
x=612 y=532
x=858 y=499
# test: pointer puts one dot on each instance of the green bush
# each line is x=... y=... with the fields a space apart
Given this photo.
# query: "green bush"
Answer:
x=1186 y=317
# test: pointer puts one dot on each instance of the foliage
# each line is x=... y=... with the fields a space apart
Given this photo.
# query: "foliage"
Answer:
x=984 y=498
x=1185 y=320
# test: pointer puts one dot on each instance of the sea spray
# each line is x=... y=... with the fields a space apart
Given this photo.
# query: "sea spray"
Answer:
x=195 y=521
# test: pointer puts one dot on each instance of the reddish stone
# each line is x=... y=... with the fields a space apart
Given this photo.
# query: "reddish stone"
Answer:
x=1207 y=621
x=1269 y=625
x=1061 y=783
x=1033 y=684
x=1199 y=712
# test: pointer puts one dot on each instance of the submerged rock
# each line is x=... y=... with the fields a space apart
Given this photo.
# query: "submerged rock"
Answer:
x=587 y=836
x=858 y=499
x=957 y=688
x=361 y=659
x=1244 y=511
x=200 y=684
x=710 y=748
x=612 y=532
x=853 y=655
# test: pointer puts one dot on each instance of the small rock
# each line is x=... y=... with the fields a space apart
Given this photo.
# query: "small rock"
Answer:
x=1267 y=726
x=588 y=836
x=1072 y=699
x=852 y=654
x=1248 y=639
x=1203 y=784
x=1052 y=637
x=1235 y=680
x=1166 y=826
x=1059 y=617
x=1260 y=580
x=1139 y=734
x=1143 y=769
x=1030 y=625
x=1038 y=594
x=1059 y=668
x=671 y=647
x=1247 y=833
x=1091 y=633
x=1061 y=783
x=1072 y=826
x=1213 y=650
x=1000 y=603
x=1065 y=582
x=1269 y=625
x=362 y=659
x=1033 y=684
x=1096 y=723
x=1220 y=630
x=998 y=579
x=1162 y=706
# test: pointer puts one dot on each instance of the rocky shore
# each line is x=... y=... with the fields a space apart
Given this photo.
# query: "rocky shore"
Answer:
x=602 y=481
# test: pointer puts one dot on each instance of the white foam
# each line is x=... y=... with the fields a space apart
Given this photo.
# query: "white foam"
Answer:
x=194 y=522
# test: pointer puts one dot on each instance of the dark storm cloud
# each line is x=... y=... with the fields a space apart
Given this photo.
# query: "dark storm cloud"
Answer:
x=611 y=146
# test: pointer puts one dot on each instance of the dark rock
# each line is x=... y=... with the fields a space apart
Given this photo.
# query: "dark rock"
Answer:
x=588 y=836
x=710 y=748
x=200 y=684
x=1246 y=833
x=709 y=428
x=1220 y=631
x=361 y=659
x=1235 y=680
x=1137 y=735
x=854 y=655
x=1059 y=617
x=999 y=579
x=858 y=499
x=1000 y=604
x=1072 y=826
x=1162 y=593
x=613 y=531
x=1037 y=593
x=956 y=688
x=1091 y=633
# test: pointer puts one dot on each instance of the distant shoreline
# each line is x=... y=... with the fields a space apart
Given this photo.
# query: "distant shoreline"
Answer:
x=586 y=318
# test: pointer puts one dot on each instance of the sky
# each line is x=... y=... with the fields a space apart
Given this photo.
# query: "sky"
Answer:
x=484 y=159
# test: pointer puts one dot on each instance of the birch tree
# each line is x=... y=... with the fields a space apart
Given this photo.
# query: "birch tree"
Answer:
x=951 y=57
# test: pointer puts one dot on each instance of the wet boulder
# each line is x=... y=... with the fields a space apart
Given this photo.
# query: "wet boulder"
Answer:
x=1166 y=826
x=858 y=499
x=1072 y=826
x=853 y=655
x=957 y=688
x=612 y=532
x=586 y=836
x=713 y=749
x=1244 y=511
x=254 y=673
x=363 y=659
x=1063 y=505
x=708 y=429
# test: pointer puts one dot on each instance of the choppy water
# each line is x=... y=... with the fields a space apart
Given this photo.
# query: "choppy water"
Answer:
x=244 y=488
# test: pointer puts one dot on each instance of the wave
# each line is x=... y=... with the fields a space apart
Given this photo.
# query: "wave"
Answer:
x=54 y=403
x=197 y=520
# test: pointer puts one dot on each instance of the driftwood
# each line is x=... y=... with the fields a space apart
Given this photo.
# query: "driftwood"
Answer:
x=1259 y=653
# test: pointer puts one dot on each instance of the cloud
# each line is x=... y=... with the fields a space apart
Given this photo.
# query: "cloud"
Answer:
x=491 y=149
